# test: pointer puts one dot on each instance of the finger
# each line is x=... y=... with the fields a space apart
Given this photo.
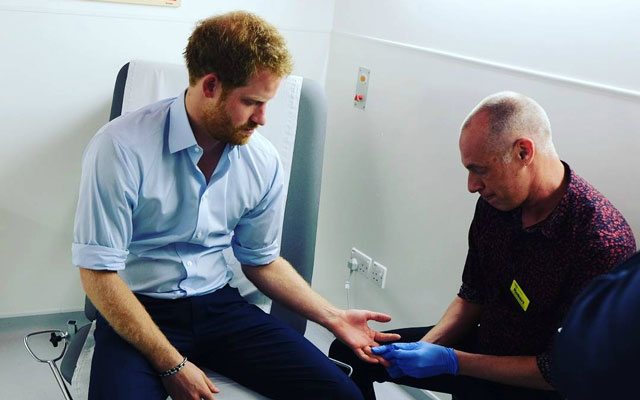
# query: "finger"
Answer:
x=368 y=352
x=401 y=351
x=380 y=358
x=390 y=355
x=380 y=317
x=207 y=396
x=380 y=350
x=211 y=386
x=404 y=346
x=401 y=355
x=386 y=337
x=364 y=357
x=383 y=362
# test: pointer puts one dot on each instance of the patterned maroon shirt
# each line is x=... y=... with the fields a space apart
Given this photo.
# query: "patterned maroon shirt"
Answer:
x=552 y=261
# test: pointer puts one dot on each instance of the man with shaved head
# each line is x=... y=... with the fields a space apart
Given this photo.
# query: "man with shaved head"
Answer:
x=540 y=233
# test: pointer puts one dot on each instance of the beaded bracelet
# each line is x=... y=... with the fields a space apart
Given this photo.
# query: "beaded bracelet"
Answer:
x=174 y=370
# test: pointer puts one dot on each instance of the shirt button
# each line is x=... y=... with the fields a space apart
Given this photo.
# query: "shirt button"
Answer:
x=198 y=235
x=196 y=149
x=189 y=263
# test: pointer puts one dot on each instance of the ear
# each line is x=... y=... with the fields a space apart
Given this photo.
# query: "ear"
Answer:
x=210 y=85
x=525 y=149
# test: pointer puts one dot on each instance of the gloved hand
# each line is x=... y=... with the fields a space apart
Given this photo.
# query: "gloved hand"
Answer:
x=418 y=359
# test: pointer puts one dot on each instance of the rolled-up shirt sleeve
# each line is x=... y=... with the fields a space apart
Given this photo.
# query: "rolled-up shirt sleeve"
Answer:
x=107 y=196
x=256 y=239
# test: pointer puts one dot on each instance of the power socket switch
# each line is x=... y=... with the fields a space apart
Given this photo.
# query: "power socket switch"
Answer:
x=363 y=261
x=378 y=274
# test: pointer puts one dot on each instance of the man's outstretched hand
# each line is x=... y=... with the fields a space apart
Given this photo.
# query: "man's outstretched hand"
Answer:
x=352 y=329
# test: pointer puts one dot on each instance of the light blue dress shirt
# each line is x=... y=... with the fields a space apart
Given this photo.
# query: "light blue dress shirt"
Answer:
x=146 y=210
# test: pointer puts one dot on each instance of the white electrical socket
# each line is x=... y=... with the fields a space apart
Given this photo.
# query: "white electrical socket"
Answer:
x=364 y=261
x=378 y=274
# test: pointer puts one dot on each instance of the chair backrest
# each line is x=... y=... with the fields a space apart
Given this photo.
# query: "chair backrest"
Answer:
x=299 y=107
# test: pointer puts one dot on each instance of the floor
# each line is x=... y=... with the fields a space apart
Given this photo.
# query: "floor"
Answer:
x=22 y=377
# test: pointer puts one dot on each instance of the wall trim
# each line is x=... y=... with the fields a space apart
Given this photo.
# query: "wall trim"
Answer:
x=501 y=66
x=42 y=312
x=105 y=14
x=112 y=14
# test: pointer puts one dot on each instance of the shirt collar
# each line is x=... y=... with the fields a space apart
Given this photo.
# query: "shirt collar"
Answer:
x=180 y=134
x=552 y=225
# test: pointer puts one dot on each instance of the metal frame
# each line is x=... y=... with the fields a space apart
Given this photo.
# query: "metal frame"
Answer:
x=56 y=337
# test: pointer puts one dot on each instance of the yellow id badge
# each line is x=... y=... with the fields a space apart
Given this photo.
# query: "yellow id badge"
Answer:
x=521 y=298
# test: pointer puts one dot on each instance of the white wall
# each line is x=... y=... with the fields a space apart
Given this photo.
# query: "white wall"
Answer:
x=59 y=62
x=393 y=185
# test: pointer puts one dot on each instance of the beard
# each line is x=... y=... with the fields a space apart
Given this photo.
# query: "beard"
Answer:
x=219 y=126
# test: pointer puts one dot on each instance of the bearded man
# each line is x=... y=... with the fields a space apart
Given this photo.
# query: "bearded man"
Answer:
x=164 y=191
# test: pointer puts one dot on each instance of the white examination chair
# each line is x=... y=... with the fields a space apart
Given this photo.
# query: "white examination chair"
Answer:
x=296 y=120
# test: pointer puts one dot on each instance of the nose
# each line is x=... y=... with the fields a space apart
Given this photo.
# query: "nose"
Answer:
x=259 y=115
x=474 y=183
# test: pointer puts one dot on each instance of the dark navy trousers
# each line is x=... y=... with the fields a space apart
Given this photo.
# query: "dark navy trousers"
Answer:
x=224 y=333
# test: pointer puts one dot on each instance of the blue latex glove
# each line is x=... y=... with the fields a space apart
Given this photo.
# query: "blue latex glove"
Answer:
x=393 y=370
x=418 y=359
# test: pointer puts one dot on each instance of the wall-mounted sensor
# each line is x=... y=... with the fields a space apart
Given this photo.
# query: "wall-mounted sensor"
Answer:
x=362 y=84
